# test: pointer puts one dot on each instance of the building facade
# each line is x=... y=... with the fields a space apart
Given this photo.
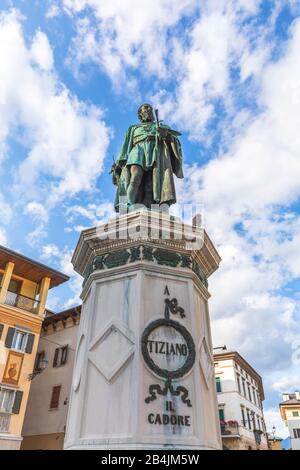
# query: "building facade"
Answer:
x=23 y=294
x=240 y=394
x=46 y=415
x=290 y=413
x=275 y=442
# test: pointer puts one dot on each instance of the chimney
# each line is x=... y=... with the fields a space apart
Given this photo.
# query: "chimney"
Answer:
x=286 y=396
x=297 y=395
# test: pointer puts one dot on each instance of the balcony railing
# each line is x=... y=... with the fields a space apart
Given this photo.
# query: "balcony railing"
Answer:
x=4 y=422
x=21 y=301
x=229 y=429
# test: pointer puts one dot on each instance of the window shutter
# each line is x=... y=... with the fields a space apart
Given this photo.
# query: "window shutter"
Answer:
x=1 y=329
x=9 y=337
x=55 y=396
x=64 y=355
x=29 y=344
x=41 y=355
x=55 y=357
x=17 y=403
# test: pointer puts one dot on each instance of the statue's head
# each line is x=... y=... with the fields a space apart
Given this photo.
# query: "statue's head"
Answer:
x=145 y=113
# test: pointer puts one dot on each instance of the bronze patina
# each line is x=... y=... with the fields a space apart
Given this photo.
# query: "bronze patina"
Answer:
x=150 y=155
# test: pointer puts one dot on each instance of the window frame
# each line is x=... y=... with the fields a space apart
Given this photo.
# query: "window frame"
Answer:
x=4 y=390
x=60 y=356
x=25 y=334
x=52 y=408
x=218 y=385
x=296 y=432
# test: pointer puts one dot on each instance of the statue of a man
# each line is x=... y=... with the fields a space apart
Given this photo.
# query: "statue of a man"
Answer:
x=144 y=169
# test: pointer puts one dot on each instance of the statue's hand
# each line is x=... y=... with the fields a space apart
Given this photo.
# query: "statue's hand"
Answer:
x=162 y=131
x=115 y=172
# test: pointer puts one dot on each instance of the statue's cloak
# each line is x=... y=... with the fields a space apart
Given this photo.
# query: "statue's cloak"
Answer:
x=162 y=158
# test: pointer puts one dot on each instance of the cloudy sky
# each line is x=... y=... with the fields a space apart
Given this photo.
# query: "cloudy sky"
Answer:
x=226 y=73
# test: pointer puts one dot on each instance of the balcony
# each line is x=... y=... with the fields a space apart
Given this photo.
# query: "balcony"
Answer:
x=229 y=429
x=21 y=301
x=4 y=422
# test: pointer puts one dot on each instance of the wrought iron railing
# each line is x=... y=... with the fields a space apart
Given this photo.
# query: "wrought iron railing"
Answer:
x=4 y=422
x=21 y=301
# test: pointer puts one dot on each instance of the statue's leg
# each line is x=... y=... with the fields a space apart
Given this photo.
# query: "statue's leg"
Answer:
x=136 y=175
x=148 y=190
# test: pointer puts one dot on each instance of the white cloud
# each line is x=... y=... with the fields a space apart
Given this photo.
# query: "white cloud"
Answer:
x=66 y=139
x=37 y=211
x=126 y=34
x=273 y=418
x=94 y=213
x=62 y=259
x=3 y=237
x=5 y=211
x=41 y=51
x=195 y=61
x=52 y=11
x=287 y=383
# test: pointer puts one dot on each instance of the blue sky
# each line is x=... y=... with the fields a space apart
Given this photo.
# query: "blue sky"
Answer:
x=224 y=73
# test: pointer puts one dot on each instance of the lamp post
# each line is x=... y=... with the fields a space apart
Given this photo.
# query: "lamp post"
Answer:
x=42 y=364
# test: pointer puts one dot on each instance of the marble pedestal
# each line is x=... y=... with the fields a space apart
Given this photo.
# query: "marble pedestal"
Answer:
x=144 y=375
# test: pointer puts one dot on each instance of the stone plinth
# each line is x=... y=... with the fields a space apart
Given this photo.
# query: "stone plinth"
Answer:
x=144 y=374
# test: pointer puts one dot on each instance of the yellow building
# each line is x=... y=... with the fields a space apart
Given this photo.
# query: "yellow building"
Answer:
x=24 y=286
x=275 y=442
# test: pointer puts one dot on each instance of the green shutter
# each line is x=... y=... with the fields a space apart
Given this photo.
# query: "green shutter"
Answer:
x=1 y=329
x=221 y=415
x=17 y=403
x=29 y=345
x=9 y=337
x=218 y=384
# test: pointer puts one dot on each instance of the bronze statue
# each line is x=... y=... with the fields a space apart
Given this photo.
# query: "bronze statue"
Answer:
x=150 y=154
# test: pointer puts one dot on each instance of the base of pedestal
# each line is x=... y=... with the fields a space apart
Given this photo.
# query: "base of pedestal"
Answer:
x=144 y=374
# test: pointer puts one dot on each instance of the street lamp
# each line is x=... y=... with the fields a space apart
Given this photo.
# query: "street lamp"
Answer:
x=42 y=364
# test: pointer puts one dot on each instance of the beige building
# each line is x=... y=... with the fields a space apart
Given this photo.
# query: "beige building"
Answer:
x=23 y=294
x=290 y=413
x=46 y=413
x=240 y=395
x=275 y=442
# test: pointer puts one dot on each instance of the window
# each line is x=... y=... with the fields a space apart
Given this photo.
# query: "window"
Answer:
x=258 y=422
x=60 y=356
x=7 y=397
x=249 y=392
x=296 y=433
x=295 y=413
x=254 y=395
x=253 y=420
x=19 y=340
x=238 y=382
x=14 y=286
x=39 y=357
x=55 y=397
x=244 y=388
x=221 y=414
x=248 y=419
x=218 y=384
x=243 y=416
